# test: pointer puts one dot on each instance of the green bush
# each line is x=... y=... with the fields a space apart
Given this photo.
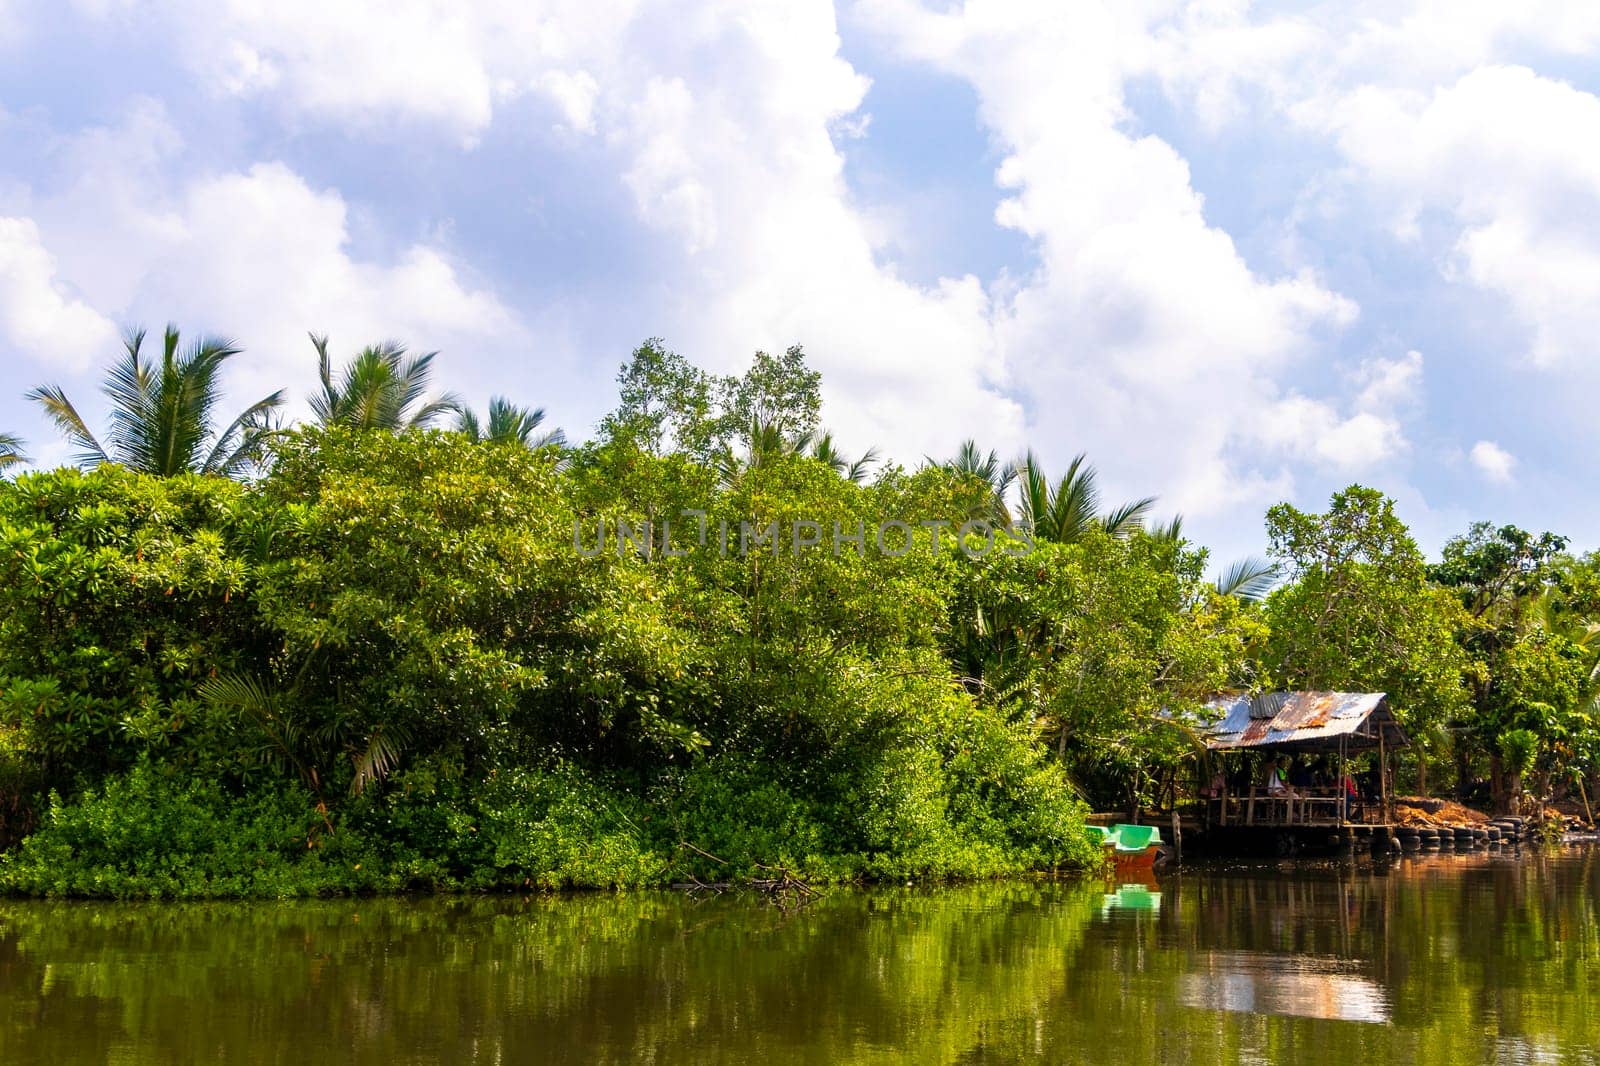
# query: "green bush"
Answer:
x=151 y=833
x=562 y=829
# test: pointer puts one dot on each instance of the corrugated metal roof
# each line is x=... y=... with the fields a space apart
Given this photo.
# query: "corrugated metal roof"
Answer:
x=1298 y=719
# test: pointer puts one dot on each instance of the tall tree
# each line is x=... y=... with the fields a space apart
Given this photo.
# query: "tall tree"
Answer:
x=508 y=422
x=163 y=413
x=1358 y=612
x=381 y=388
x=11 y=450
x=781 y=391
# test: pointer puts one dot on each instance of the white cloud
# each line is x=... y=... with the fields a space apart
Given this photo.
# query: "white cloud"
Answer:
x=266 y=253
x=728 y=132
x=259 y=254
x=1493 y=461
x=574 y=92
x=1514 y=158
x=1433 y=107
x=1144 y=335
x=1371 y=434
x=367 y=63
x=38 y=316
x=1389 y=383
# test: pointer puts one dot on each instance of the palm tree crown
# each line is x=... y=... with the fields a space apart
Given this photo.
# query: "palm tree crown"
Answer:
x=766 y=441
x=1065 y=511
x=992 y=477
x=381 y=388
x=508 y=422
x=162 y=413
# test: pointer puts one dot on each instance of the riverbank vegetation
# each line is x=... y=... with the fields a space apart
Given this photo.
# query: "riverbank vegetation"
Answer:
x=401 y=646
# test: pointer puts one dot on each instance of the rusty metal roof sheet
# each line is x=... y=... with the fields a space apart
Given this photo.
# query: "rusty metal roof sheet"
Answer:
x=1301 y=719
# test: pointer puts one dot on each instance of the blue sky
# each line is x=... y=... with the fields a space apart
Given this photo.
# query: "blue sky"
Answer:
x=1236 y=252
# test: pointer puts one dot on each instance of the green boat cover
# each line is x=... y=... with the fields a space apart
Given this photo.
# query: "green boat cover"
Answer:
x=1098 y=834
x=1135 y=837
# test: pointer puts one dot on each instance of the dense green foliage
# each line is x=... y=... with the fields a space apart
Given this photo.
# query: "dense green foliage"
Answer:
x=703 y=645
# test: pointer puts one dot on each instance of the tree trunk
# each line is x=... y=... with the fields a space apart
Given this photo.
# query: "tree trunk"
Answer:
x=1497 y=785
x=1463 y=773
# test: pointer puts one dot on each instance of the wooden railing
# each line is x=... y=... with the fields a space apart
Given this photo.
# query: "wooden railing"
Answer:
x=1297 y=806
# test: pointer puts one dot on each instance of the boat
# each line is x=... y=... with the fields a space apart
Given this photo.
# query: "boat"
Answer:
x=1131 y=848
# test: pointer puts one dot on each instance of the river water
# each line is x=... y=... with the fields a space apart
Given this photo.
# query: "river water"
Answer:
x=1457 y=959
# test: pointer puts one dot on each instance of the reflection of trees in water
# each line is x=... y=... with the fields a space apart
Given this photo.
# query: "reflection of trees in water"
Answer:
x=1472 y=958
x=601 y=978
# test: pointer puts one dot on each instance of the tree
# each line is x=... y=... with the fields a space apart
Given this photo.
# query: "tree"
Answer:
x=380 y=388
x=11 y=450
x=1096 y=643
x=508 y=422
x=1526 y=680
x=779 y=391
x=822 y=448
x=991 y=478
x=666 y=403
x=1358 y=612
x=163 y=415
x=1065 y=511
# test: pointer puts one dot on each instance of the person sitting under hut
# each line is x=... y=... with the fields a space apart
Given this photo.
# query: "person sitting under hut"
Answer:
x=1278 y=786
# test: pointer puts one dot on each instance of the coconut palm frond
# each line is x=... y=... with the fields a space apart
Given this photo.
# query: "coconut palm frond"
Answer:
x=1122 y=521
x=1250 y=579
x=59 y=409
x=374 y=762
x=11 y=452
x=857 y=471
x=1168 y=532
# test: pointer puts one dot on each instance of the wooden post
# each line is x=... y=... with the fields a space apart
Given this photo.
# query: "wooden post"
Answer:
x=1344 y=800
x=1177 y=835
x=1383 y=779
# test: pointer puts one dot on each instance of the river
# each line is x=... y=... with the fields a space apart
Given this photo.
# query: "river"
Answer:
x=1449 y=959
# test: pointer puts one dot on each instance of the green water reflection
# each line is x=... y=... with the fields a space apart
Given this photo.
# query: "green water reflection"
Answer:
x=1453 y=959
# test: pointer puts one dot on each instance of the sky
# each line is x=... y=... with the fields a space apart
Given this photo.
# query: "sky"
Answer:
x=1237 y=253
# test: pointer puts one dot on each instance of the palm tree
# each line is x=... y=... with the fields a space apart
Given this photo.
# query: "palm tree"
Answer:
x=766 y=441
x=1249 y=578
x=381 y=388
x=162 y=414
x=1065 y=511
x=823 y=449
x=1169 y=532
x=991 y=475
x=11 y=450
x=508 y=422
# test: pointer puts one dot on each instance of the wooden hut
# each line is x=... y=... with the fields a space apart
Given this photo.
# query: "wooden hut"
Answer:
x=1333 y=725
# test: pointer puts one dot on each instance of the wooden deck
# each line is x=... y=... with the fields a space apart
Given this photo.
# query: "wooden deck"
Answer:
x=1324 y=807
